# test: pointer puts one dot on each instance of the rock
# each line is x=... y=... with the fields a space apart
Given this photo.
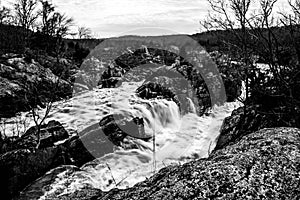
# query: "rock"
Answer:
x=37 y=188
x=50 y=134
x=247 y=120
x=20 y=79
x=76 y=152
x=18 y=168
x=21 y=163
x=118 y=127
x=262 y=165
x=173 y=73
x=155 y=90
x=46 y=183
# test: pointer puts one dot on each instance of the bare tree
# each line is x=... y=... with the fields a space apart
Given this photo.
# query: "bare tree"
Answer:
x=84 y=33
x=252 y=32
x=37 y=97
x=61 y=26
x=291 y=21
x=47 y=13
x=5 y=15
x=26 y=13
x=231 y=15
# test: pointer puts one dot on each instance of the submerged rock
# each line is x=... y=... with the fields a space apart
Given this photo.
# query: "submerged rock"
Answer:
x=262 y=165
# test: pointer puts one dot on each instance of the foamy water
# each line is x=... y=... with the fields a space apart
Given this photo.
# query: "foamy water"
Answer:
x=178 y=139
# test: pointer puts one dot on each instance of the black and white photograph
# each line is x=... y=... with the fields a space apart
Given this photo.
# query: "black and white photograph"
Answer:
x=150 y=99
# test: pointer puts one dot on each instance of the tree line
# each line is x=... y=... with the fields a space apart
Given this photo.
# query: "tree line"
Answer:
x=41 y=15
x=253 y=31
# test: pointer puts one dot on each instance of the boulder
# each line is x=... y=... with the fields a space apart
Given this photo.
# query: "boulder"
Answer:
x=42 y=184
x=50 y=134
x=262 y=165
x=21 y=163
x=47 y=182
x=245 y=120
x=118 y=127
x=76 y=152
x=20 y=167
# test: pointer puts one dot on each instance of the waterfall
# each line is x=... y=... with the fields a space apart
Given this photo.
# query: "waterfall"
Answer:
x=191 y=106
x=178 y=138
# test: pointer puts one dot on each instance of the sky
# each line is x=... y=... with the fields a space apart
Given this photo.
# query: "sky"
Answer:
x=110 y=18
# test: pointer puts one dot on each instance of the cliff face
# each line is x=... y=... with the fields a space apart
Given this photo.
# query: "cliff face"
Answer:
x=262 y=165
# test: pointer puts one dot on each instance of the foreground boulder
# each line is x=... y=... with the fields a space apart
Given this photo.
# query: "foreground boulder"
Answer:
x=20 y=167
x=262 y=165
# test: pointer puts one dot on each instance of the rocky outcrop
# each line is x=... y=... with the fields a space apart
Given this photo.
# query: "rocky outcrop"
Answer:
x=21 y=163
x=156 y=90
x=262 y=165
x=25 y=83
x=20 y=167
x=50 y=134
x=245 y=120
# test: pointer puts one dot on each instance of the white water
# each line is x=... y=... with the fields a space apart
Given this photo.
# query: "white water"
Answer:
x=178 y=139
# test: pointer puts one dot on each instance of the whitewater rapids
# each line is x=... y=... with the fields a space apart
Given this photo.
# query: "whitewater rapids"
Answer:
x=178 y=139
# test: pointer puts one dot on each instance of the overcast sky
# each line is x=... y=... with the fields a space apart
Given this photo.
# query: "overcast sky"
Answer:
x=108 y=18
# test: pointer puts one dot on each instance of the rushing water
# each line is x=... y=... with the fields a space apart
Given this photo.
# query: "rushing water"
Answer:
x=178 y=139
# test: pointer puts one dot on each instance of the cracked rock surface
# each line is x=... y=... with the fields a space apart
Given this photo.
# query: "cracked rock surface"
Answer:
x=262 y=165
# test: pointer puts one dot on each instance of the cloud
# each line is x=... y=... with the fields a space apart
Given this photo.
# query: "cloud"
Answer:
x=111 y=17
x=115 y=16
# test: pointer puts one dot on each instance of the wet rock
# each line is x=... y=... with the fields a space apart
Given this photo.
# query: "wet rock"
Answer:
x=50 y=134
x=43 y=186
x=76 y=152
x=155 y=90
x=118 y=127
x=38 y=187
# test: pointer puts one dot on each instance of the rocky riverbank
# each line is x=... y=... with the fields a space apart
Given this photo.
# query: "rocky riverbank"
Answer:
x=21 y=163
x=261 y=165
x=27 y=83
